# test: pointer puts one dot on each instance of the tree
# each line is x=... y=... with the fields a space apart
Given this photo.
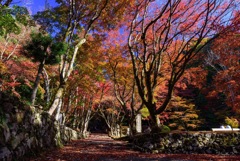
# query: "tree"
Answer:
x=14 y=23
x=223 y=57
x=85 y=88
x=112 y=113
x=5 y=2
x=74 y=21
x=15 y=27
x=119 y=69
x=181 y=114
x=175 y=31
x=44 y=50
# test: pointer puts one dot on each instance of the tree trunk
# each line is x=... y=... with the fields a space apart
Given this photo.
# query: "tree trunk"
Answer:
x=153 y=120
x=139 y=123
x=58 y=110
x=132 y=127
x=36 y=83
x=64 y=75
x=84 y=122
x=46 y=86
x=57 y=100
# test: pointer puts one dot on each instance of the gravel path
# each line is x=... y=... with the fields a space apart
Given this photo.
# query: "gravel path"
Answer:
x=100 y=147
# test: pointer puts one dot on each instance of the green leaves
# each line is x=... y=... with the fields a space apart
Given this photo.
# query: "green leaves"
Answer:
x=21 y=15
x=57 y=49
x=7 y=22
x=38 y=46
x=43 y=47
x=10 y=18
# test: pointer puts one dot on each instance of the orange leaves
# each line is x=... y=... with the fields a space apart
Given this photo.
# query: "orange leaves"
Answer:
x=232 y=83
x=226 y=50
x=9 y=85
x=5 y=86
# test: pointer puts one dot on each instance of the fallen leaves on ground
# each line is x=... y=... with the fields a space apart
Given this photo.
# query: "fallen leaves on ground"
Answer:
x=100 y=147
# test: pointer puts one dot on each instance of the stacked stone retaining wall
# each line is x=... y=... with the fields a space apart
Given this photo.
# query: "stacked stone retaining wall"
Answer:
x=28 y=130
x=190 y=142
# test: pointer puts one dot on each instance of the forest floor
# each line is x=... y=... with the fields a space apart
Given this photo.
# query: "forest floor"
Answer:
x=100 y=147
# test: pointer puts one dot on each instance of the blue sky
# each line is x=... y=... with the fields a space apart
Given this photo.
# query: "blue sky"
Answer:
x=34 y=5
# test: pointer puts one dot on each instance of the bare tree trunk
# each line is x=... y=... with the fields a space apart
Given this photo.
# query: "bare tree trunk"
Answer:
x=132 y=128
x=46 y=85
x=57 y=100
x=36 y=83
x=86 y=122
x=64 y=75
x=58 y=110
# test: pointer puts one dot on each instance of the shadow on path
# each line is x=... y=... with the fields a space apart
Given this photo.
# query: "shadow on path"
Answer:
x=100 y=147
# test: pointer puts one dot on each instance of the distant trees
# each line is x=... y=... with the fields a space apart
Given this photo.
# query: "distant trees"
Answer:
x=14 y=23
x=85 y=88
x=120 y=73
x=224 y=58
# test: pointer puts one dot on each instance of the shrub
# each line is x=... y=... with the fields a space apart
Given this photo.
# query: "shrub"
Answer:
x=232 y=122
x=165 y=129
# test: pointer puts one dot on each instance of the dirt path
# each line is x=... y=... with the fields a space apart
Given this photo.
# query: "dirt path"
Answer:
x=100 y=147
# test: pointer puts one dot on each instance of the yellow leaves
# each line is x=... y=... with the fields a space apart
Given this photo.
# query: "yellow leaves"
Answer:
x=192 y=116
x=233 y=122
x=172 y=125
x=174 y=117
x=145 y=113
x=180 y=113
x=111 y=110
x=192 y=126
x=102 y=63
x=3 y=68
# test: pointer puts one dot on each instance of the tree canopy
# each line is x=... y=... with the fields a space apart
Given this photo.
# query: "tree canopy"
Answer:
x=173 y=59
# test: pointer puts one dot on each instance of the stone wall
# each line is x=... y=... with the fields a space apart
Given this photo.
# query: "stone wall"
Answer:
x=190 y=142
x=28 y=130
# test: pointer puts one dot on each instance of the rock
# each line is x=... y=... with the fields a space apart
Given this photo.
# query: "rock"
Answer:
x=148 y=145
x=205 y=141
x=7 y=107
x=180 y=143
x=25 y=127
x=5 y=153
x=17 y=140
x=174 y=145
x=200 y=139
x=20 y=116
x=166 y=142
x=31 y=142
x=235 y=150
x=211 y=143
x=201 y=144
x=20 y=151
x=155 y=151
x=161 y=147
x=215 y=145
x=190 y=148
x=5 y=132
x=207 y=136
x=37 y=120
x=208 y=151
